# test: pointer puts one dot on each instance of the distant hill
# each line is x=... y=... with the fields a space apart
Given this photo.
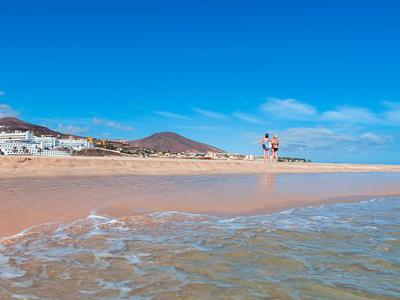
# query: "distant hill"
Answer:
x=162 y=141
x=10 y=124
x=173 y=142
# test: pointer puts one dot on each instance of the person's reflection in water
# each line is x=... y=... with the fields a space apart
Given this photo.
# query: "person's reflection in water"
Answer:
x=267 y=183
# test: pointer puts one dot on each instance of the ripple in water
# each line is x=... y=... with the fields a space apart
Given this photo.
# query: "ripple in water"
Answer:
x=338 y=251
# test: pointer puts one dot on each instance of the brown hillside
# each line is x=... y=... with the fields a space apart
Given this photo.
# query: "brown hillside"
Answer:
x=10 y=124
x=173 y=142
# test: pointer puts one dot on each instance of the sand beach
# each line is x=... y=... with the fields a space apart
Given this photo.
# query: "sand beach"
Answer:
x=39 y=190
x=28 y=167
x=102 y=228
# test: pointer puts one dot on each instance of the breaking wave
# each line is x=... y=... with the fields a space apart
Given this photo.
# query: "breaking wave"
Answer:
x=335 y=251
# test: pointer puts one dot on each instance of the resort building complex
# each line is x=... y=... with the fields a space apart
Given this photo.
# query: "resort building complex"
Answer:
x=26 y=143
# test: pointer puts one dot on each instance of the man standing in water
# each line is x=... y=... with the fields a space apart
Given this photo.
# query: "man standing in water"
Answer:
x=266 y=147
x=275 y=148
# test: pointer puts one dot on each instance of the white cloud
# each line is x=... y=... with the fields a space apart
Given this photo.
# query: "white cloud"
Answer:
x=252 y=137
x=350 y=114
x=373 y=138
x=171 y=115
x=7 y=111
x=205 y=128
x=72 y=129
x=105 y=134
x=2 y=93
x=392 y=105
x=293 y=109
x=393 y=117
x=392 y=114
x=321 y=138
x=313 y=138
x=112 y=124
x=288 y=109
x=210 y=114
x=247 y=118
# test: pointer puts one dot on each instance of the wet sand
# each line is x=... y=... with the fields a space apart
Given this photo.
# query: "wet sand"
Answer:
x=26 y=202
x=33 y=167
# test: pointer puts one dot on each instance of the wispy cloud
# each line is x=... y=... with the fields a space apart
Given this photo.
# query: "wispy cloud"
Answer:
x=387 y=115
x=7 y=111
x=288 y=109
x=2 y=93
x=210 y=114
x=105 y=134
x=292 y=109
x=247 y=117
x=391 y=105
x=205 y=128
x=321 y=138
x=252 y=137
x=171 y=115
x=73 y=129
x=392 y=114
x=112 y=124
x=373 y=138
x=313 y=138
x=350 y=114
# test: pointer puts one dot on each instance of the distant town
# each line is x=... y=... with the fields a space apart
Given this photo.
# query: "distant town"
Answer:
x=32 y=143
x=28 y=144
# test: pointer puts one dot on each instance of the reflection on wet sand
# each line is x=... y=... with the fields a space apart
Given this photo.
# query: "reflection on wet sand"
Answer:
x=28 y=202
x=267 y=183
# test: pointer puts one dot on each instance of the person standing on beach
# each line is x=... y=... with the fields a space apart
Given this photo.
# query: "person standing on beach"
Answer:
x=275 y=148
x=266 y=147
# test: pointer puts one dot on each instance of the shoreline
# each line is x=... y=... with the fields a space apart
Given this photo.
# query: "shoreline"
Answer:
x=34 y=167
x=25 y=202
x=6 y=239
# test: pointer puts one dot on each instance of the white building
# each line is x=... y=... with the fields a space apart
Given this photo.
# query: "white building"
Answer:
x=26 y=136
x=26 y=148
x=75 y=144
x=25 y=143
x=46 y=141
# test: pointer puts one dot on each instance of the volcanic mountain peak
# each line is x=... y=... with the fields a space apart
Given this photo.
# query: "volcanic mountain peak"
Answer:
x=161 y=141
x=173 y=142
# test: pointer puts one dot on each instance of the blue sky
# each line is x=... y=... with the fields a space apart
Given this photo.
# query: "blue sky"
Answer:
x=324 y=76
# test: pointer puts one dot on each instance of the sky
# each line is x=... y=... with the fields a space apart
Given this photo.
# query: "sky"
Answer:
x=323 y=75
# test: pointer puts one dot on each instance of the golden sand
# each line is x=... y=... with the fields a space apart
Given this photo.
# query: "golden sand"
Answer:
x=92 y=166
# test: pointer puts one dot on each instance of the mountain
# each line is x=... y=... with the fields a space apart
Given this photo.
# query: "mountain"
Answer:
x=173 y=142
x=162 y=141
x=11 y=124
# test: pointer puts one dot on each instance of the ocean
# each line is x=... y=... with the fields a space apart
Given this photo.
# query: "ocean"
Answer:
x=331 y=251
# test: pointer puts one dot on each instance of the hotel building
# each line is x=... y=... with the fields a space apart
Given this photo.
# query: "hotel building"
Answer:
x=26 y=143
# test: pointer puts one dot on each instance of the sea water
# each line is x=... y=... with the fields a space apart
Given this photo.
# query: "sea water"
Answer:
x=334 y=251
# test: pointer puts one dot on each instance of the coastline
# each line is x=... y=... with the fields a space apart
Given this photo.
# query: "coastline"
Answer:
x=34 y=167
x=26 y=202
x=7 y=236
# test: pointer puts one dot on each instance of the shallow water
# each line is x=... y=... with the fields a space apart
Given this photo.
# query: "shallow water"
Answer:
x=335 y=251
x=27 y=202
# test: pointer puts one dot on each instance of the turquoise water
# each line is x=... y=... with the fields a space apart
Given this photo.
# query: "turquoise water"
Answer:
x=335 y=251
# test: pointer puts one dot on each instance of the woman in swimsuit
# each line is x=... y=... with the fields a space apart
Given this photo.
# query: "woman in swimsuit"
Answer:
x=266 y=146
x=275 y=148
